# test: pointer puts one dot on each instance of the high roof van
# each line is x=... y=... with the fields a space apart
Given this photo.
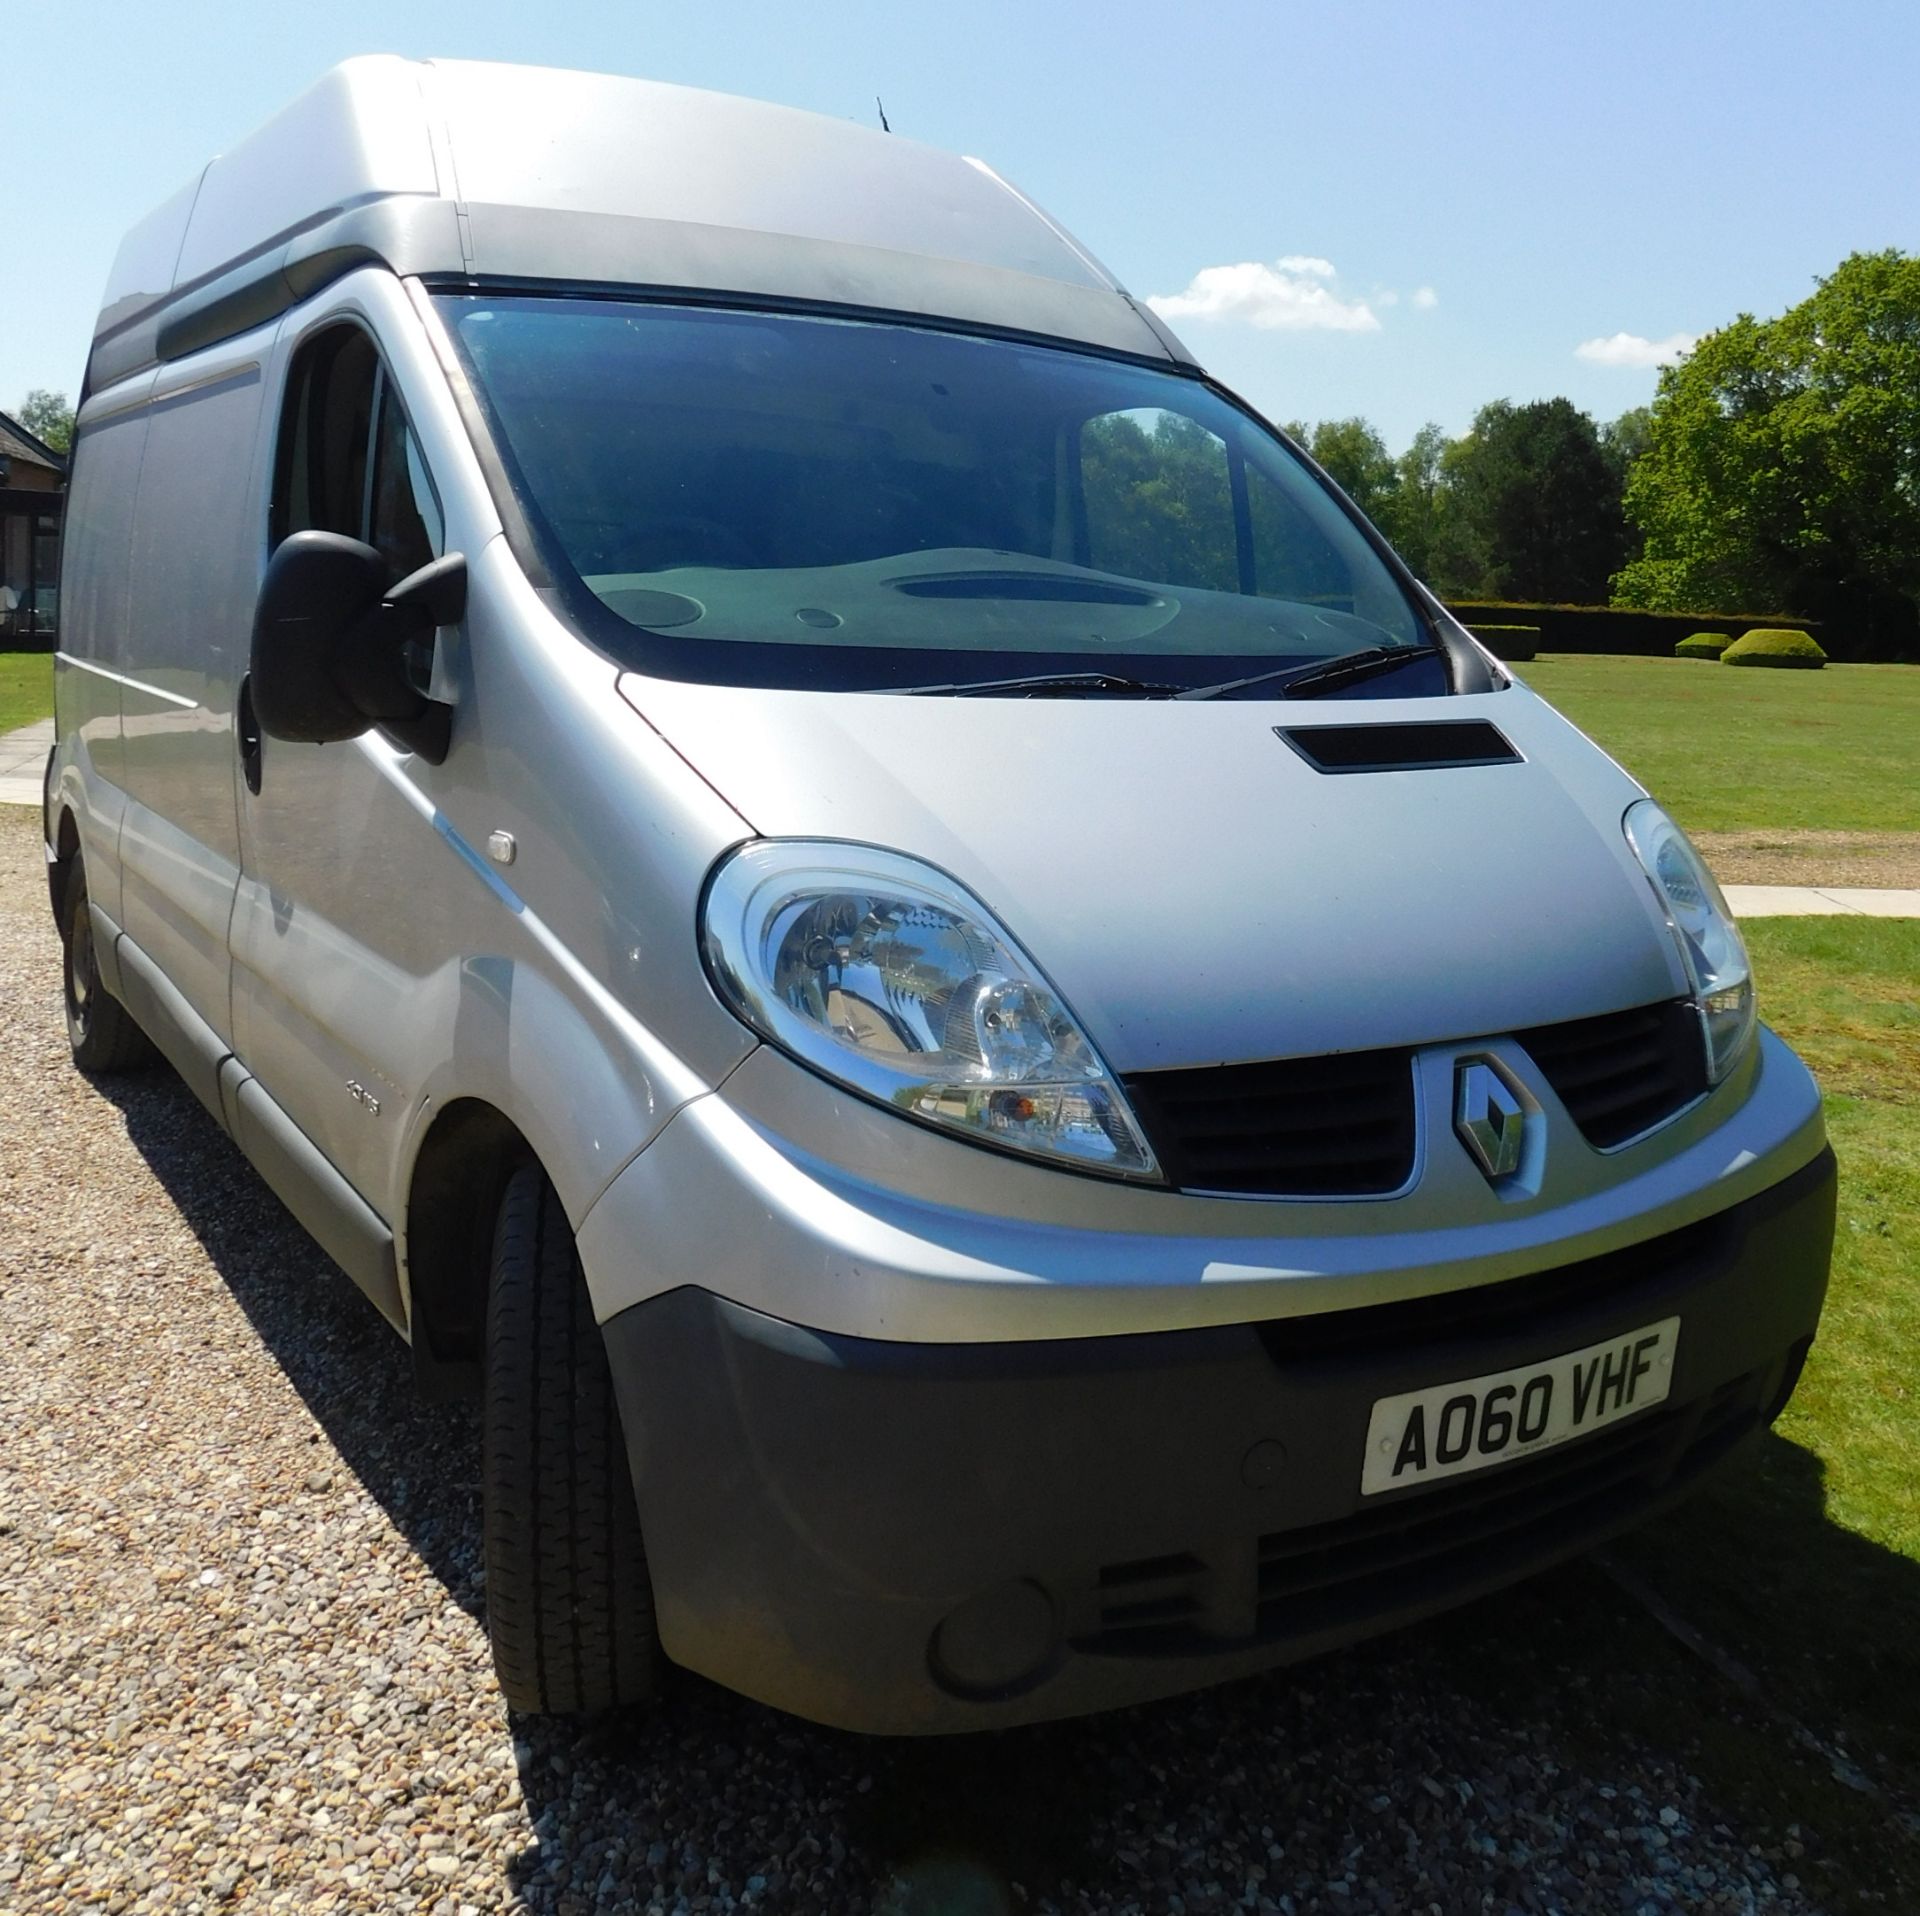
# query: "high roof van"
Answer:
x=1022 y=1078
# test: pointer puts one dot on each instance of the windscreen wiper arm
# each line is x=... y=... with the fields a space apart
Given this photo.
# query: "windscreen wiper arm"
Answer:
x=1042 y=683
x=1298 y=681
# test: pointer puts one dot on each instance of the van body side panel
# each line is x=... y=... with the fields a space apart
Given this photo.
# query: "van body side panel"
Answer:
x=350 y=931
x=194 y=570
x=385 y=966
x=93 y=655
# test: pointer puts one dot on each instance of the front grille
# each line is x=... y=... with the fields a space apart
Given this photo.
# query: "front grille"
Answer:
x=1338 y=1126
x=1421 y=1545
x=1620 y=1074
x=1342 y=1125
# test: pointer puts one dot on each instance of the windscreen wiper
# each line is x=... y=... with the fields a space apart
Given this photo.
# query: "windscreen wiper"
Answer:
x=1306 y=681
x=1043 y=684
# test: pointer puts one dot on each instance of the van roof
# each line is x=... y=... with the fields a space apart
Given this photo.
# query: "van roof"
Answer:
x=475 y=173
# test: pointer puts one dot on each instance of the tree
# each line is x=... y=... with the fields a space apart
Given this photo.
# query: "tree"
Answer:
x=1411 y=517
x=1532 y=506
x=1628 y=437
x=1401 y=496
x=1357 y=460
x=1623 y=442
x=1782 y=469
x=48 y=417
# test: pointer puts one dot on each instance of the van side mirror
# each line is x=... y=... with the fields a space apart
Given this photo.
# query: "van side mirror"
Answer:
x=337 y=648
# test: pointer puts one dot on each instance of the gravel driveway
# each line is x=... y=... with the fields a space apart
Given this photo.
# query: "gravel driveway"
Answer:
x=241 y=1662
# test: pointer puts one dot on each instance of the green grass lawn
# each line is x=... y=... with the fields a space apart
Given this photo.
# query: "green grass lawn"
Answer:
x=26 y=688
x=1730 y=749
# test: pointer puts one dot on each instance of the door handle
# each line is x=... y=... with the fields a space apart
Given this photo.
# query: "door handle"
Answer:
x=246 y=729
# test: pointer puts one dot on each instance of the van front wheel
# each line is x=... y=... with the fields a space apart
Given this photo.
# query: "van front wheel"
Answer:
x=99 y=1027
x=569 y=1607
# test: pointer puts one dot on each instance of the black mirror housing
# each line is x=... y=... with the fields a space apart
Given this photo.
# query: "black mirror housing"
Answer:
x=439 y=589
x=319 y=586
x=335 y=647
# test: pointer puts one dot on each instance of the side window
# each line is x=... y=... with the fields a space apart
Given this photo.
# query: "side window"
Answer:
x=1159 y=499
x=348 y=461
x=403 y=515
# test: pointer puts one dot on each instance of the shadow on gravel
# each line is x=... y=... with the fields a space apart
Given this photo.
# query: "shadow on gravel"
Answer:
x=419 y=1461
x=1421 y=1770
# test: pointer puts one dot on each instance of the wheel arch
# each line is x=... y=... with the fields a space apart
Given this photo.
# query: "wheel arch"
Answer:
x=63 y=845
x=468 y=1152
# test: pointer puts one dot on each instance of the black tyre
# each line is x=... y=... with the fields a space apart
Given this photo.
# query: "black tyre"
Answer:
x=569 y=1607
x=99 y=1027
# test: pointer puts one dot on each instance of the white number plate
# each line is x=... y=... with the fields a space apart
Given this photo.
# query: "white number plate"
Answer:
x=1450 y=1428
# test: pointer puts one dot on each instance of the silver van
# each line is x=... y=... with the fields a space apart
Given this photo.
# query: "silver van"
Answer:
x=1022 y=1077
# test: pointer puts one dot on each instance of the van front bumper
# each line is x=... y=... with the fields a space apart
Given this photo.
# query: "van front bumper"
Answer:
x=906 y=1537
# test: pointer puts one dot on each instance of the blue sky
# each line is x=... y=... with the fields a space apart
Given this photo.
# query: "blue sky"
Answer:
x=1401 y=208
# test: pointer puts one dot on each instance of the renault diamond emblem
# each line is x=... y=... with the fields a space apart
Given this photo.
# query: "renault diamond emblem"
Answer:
x=1489 y=1118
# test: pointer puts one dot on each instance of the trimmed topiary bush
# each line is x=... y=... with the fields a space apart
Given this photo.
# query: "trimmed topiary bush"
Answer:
x=1703 y=645
x=1514 y=643
x=1626 y=632
x=1774 y=645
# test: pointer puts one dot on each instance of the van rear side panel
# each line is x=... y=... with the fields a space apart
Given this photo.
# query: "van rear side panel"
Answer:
x=95 y=568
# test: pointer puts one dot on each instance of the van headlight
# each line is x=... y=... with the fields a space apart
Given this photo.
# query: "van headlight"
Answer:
x=886 y=975
x=1710 y=944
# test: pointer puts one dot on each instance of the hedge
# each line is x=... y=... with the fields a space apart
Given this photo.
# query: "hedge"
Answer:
x=1775 y=645
x=1702 y=645
x=1514 y=643
x=1617 y=629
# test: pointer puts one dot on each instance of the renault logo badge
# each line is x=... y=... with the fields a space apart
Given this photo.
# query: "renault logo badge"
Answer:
x=1489 y=1118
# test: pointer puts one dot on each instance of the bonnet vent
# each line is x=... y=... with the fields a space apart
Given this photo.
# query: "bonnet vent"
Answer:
x=1430 y=745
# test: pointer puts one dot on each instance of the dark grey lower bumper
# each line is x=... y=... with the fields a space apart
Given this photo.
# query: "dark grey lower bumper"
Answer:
x=908 y=1538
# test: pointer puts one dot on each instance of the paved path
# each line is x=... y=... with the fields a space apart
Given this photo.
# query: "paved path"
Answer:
x=1812 y=901
x=23 y=758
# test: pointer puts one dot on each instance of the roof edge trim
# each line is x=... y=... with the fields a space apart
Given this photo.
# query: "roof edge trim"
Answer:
x=417 y=236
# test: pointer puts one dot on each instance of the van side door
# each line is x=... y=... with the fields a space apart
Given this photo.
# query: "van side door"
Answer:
x=334 y=924
x=194 y=568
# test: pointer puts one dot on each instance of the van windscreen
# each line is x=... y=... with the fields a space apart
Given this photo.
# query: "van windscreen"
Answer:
x=787 y=499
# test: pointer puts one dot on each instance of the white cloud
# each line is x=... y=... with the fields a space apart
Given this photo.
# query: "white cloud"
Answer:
x=1291 y=294
x=1426 y=299
x=1629 y=349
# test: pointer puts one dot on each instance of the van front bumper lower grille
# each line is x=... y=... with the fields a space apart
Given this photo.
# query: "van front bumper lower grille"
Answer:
x=1424 y=1546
